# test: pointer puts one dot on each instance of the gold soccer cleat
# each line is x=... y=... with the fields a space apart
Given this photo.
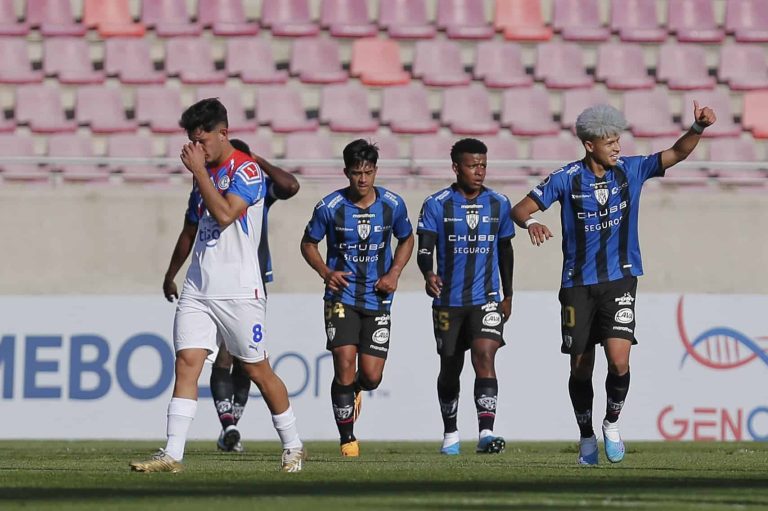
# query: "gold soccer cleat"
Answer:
x=159 y=462
x=293 y=459
x=350 y=449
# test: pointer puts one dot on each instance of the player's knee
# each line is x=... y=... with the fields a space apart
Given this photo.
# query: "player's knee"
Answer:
x=619 y=368
x=368 y=382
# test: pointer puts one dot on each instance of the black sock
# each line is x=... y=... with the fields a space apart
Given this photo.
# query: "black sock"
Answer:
x=241 y=385
x=616 y=388
x=448 y=395
x=221 y=389
x=581 y=397
x=486 y=393
x=343 y=401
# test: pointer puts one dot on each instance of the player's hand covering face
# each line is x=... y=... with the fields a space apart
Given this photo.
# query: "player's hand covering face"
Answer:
x=470 y=171
x=211 y=143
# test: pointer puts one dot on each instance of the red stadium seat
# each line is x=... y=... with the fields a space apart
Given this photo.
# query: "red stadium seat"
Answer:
x=347 y=18
x=251 y=59
x=53 y=18
x=433 y=147
x=438 y=63
x=747 y=20
x=129 y=59
x=720 y=102
x=75 y=146
x=169 y=18
x=648 y=113
x=500 y=65
x=377 y=62
x=467 y=111
x=225 y=18
x=684 y=67
x=561 y=66
x=344 y=107
x=526 y=112
x=281 y=108
x=12 y=144
x=159 y=107
x=312 y=146
x=743 y=67
x=16 y=68
x=40 y=107
x=316 y=60
x=232 y=100
x=521 y=20
x=755 y=116
x=181 y=52
x=288 y=18
x=101 y=108
x=68 y=58
x=576 y=101
x=111 y=18
x=579 y=20
x=622 y=67
x=463 y=19
x=694 y=21
x=637 y=21
x=406 y=109
x=405 y=19
x=9 y=22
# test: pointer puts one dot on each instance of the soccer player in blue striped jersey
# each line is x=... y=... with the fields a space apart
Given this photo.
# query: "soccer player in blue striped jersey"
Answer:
x=599 y=198
x=360 y=275
x=470 y=227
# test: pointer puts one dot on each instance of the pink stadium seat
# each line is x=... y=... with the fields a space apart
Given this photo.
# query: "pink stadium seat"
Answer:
x=684 y=67
x=521 y=20
x=579 y=20
x=180 y=52
x=133 y=146
x=405 y=19
x=648 y=113
x=317 y=60
x=347 y=18
x=111 y=18
x=637 y=21
x=344 y=107
x=233 y=101
x=251 y=59
x=755 y=116
x=694 y=21
x=389 y=149
x=40 y=107
x=288 y=18
x=433 y=147
x=463 y=19
x=500 y=65
x=561 y=66
x=129 y=59
x=9 y=22
x=563 y=148
x=225 y=18
x=736 y=150
x=169 y=18
x=720 y=102
x=7 y=125
x=102 y=109
x=259 y=143
x=504 y=148
x=159 y=107
x=282 y=109
x=16 y=67
x=576 y=101
x=173 y=146
x=467 y=111
x=628 y=144
x=405 y=109
x=377 y=62
x=747 y=20
x=438 y=63
x=622 y=67
x=53 y=18
x=69 y=59
x=75 y=146
x=743 y=67
x=526 y=112
x=312 y=146
x=12 y=144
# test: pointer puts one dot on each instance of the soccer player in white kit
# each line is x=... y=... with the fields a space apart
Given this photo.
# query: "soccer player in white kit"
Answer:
x=223 y=298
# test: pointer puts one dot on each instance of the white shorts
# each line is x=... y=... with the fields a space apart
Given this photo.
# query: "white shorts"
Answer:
x=238 y=324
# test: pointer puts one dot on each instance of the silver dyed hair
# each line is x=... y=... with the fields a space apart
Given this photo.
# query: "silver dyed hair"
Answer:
x=599 y=121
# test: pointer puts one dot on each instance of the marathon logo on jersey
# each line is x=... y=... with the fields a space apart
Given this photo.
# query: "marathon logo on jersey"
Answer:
x=626 y=299
x=335 y=201
x=363 y=228
x=601 y=193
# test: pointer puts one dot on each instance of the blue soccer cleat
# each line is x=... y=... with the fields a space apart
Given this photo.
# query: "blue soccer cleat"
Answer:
x=451 y=450
x=588 y=451
x=614 y=446
x=491 y=445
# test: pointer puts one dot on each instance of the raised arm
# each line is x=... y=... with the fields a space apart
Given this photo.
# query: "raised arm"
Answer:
x=180 y=253
x=703 y=117
x=522 y=216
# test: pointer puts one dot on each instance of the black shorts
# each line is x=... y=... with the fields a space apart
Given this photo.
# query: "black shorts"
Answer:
x=456 y=327
x=347 y=325
x=591 y=314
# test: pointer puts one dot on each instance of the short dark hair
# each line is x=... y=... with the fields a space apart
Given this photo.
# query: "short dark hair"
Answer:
x=206 y=114
x=467 y=146
x=240 y=145
x=359 y=152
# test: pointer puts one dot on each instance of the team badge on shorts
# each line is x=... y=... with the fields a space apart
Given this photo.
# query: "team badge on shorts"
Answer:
x=330 y=331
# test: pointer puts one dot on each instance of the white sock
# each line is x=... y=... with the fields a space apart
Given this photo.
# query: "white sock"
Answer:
x=181 y=412
x=285 y=425
x=450 y=438
x=611 y=431
x=486 y=432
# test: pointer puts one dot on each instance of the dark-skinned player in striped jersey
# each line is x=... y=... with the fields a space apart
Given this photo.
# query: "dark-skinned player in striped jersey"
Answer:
x=599 y=198
x=470 y=228
x=360 y=275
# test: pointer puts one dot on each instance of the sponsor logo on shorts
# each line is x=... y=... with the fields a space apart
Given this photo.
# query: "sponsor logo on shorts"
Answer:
x=490 y=331
x=492 y=319
x=624 y=316
x=490 y=306
x=383 y=320
x=626 y=299
x=224 y=182
x=623 y=329
x=379 y=348
x=380 y=336
x=330 y=331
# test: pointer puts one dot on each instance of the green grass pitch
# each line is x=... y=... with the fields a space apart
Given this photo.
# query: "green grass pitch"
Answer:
x=86 y=475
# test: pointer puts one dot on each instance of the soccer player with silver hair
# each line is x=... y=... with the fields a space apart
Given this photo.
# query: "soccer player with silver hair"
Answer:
x=599 y=198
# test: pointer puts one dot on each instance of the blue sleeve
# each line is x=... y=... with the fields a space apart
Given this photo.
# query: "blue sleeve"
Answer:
x=646 y=167
x=506 y=225
x=548 y=191
x=192 y=214
x=318 y=224
x=248 y=183
x=428 y=216
x=401 y=224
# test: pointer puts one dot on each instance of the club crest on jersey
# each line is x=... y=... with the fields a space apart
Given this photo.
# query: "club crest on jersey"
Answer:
x=601 y=194
x=223 y=182
x=473 y=218
x=363 y=228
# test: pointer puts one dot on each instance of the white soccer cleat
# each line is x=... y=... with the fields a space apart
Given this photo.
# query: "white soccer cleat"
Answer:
x=229 y=439
x=614 y=446
x=293 y=459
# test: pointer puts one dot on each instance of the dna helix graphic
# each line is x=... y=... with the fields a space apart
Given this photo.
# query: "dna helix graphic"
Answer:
x=720 y=347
